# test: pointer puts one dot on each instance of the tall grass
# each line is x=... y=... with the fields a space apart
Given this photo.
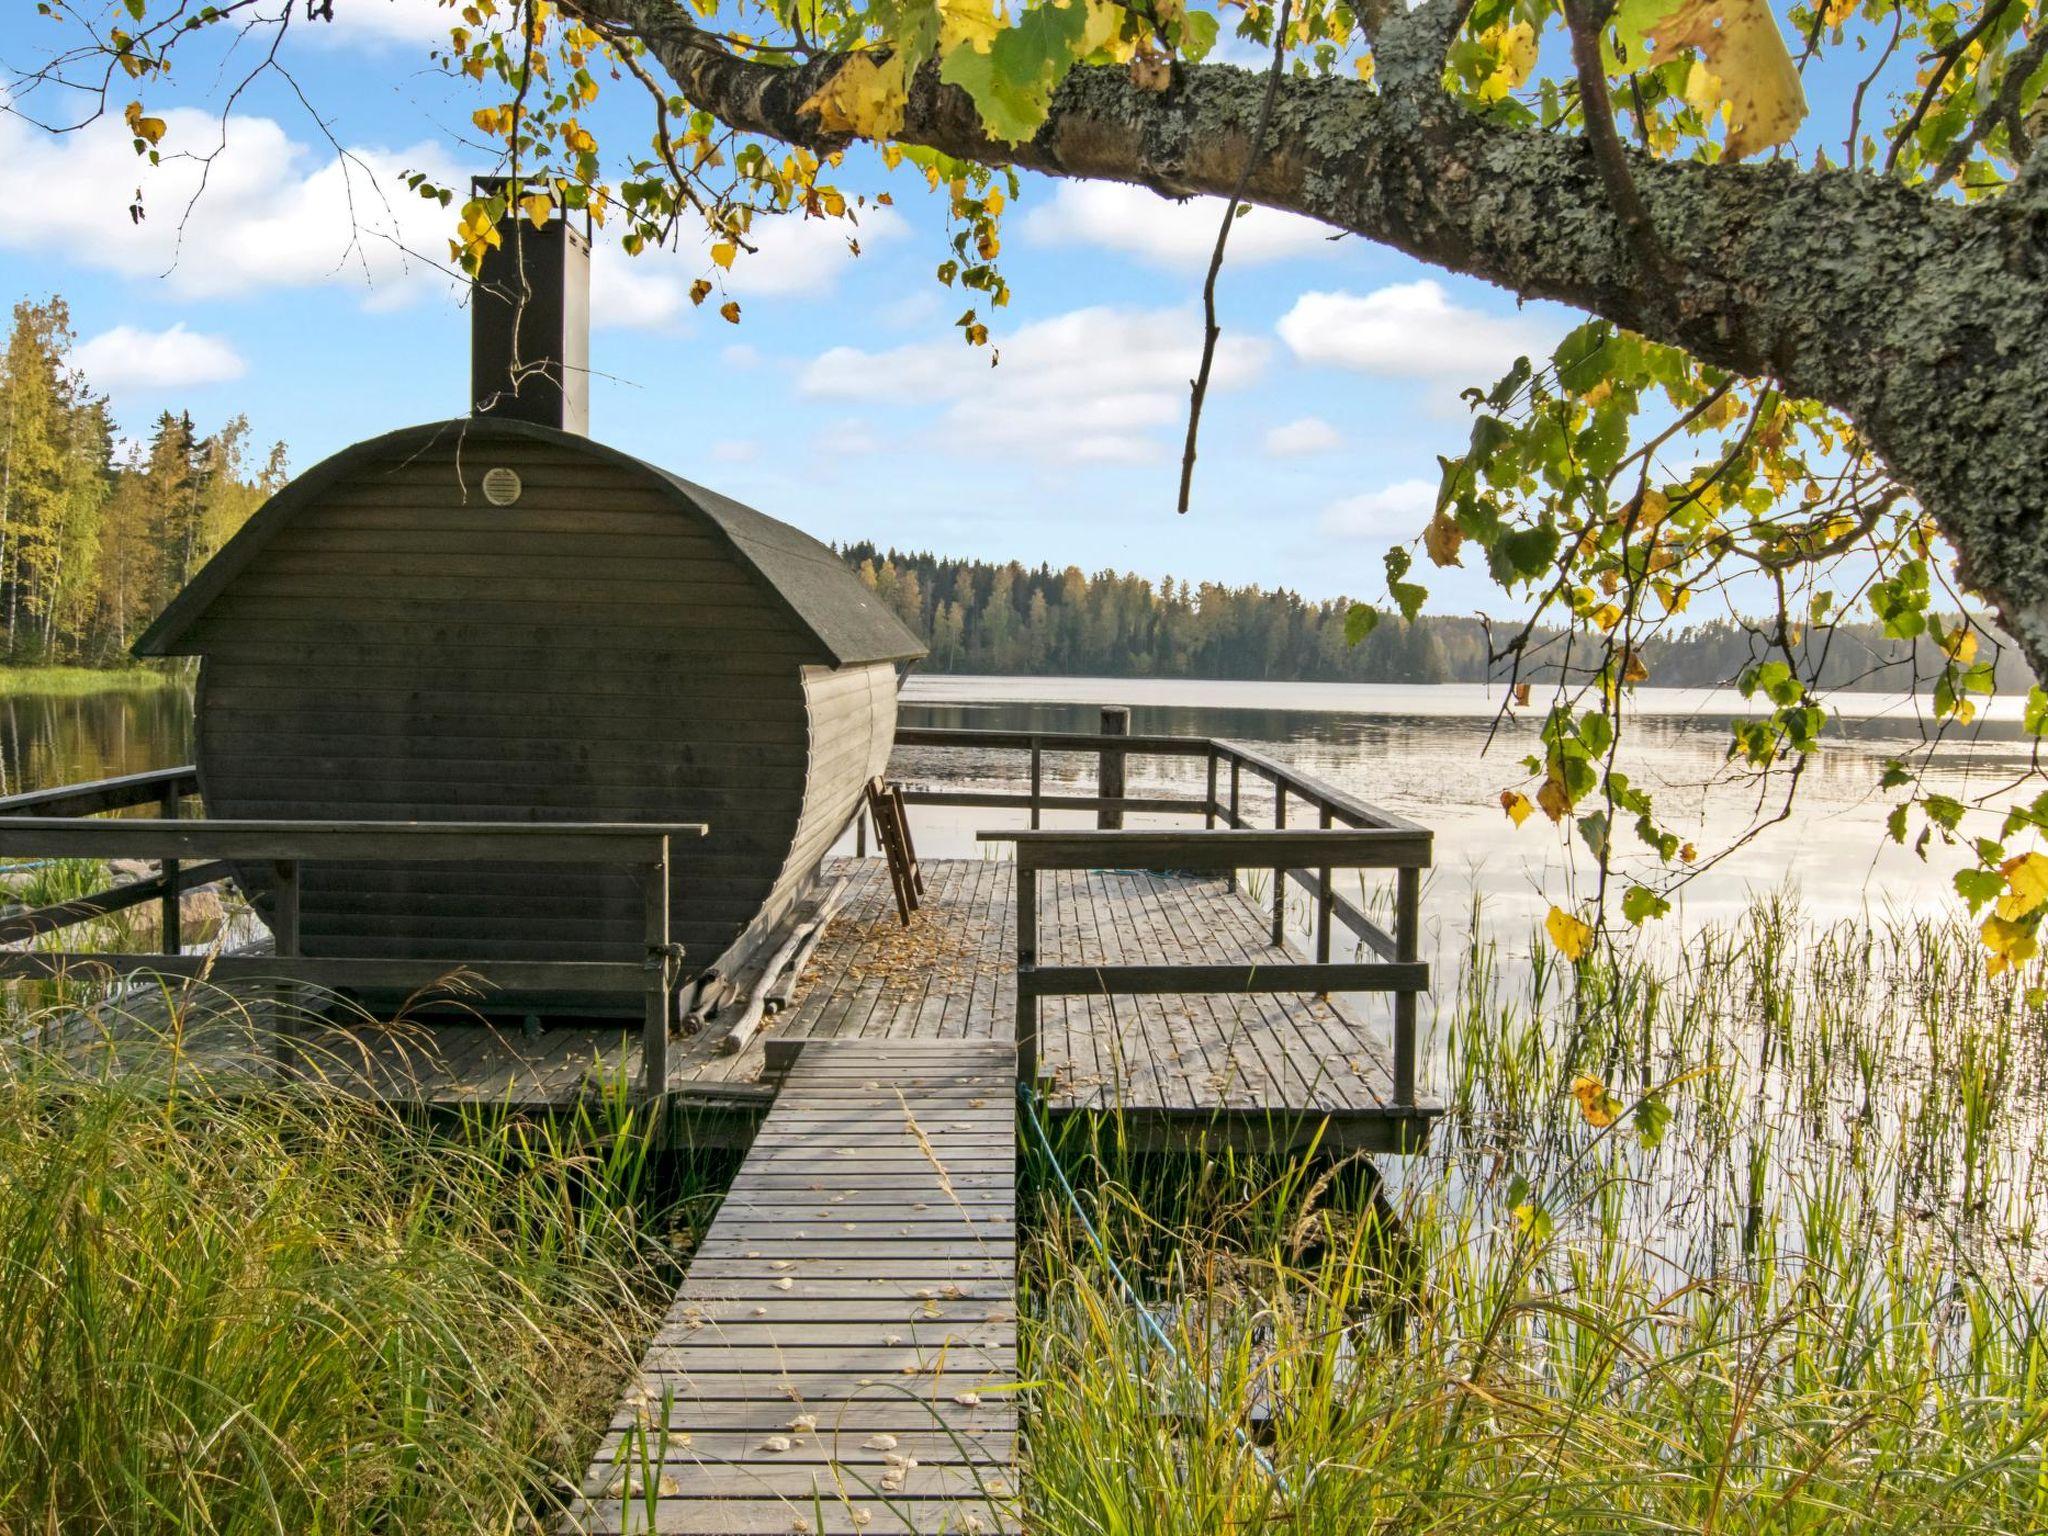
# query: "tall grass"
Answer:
x=290 y=1313
x=1811 y=1302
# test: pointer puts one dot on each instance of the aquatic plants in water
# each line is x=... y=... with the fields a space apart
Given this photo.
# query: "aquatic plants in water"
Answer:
x=1774 y=1267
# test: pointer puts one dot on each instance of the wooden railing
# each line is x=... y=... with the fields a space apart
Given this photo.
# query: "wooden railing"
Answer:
x=285 y=846
x=1349 y=834
x=167 y=789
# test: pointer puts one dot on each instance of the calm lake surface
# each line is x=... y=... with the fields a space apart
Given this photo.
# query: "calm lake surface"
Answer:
x=1440 y=755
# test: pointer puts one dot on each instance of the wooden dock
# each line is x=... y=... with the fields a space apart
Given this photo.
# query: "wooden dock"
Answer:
x=842 y=1357
x=1270 y=1069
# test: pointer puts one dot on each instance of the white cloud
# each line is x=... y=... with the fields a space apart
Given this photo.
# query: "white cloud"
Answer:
x=740 y=355
x=793 y=255
x=126 y=357
x=1396 y=511
x=273 y=212
x=1299 y=439
x=416 y=23
x=845 y=438
x=1412 y=330
x=278 y=213
x=1093 y=385
x=1166 y=232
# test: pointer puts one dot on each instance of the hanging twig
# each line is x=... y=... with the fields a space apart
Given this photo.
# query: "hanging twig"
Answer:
x=1211 y=331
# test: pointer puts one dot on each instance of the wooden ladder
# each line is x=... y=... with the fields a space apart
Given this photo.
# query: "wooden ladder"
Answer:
x=892 y=831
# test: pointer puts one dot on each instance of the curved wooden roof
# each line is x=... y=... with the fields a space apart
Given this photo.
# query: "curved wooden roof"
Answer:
x=827 y=600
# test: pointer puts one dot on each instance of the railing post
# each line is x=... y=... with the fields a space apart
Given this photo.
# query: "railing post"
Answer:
x=1209 y=795
x=173 y=933
x=1109 y=767
x=660 y=975
x=1027 y=957
x=1407 y=949
x=1235 y=816
x=284 y=936
x=1323 y=895
x=860 y=833
x=1279 y=875
x=1037 y=778
x=284 y=922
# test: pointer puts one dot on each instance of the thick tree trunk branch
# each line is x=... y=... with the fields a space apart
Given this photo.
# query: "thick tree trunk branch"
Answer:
x=1926 y=322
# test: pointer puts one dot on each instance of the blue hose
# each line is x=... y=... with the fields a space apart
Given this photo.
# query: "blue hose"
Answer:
x=1145 y=1317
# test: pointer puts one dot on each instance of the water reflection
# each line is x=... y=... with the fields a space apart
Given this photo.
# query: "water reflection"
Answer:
x=1438 y=754
x=52 y=739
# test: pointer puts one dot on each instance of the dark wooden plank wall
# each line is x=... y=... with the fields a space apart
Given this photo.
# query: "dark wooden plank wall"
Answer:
x=595 y=652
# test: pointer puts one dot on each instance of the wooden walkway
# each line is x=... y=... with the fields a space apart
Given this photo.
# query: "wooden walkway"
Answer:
x=1199 y=1062
x=839 y=1360
x=1263 y=1068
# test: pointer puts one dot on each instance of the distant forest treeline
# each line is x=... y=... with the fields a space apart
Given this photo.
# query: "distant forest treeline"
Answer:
x=96 y=537
x=982 y=617
x=94 y=540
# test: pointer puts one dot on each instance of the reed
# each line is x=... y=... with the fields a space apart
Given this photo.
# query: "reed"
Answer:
x=292 y=1312
x=1792 y=1287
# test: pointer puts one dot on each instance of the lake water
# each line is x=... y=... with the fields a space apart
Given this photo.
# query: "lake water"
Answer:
x=1440 y=755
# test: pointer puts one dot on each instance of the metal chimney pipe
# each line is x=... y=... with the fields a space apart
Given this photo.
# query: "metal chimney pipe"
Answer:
x=529 y=321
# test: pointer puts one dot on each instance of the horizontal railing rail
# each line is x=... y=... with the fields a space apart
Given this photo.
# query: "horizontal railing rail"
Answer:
x=287 y=846
x=1349 y=833
x=1405 y=849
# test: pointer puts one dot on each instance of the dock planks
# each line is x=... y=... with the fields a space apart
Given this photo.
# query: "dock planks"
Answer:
x=1268 y=1069
x=837 y=1360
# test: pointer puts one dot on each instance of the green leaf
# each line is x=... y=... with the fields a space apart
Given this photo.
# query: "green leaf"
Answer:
x=1978 y=886
x=1653 y=1118
x=1361 y=621
x=1639 y=903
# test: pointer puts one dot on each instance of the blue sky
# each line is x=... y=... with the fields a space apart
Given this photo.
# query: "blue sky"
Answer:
x=845 y=402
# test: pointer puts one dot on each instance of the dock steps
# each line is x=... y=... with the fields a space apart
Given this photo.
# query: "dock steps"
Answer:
x=837 y=1362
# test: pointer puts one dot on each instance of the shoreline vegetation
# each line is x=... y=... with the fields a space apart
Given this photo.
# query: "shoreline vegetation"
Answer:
x=1747 y=1240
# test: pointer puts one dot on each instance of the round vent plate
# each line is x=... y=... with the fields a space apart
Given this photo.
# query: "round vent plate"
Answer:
x=501 y=486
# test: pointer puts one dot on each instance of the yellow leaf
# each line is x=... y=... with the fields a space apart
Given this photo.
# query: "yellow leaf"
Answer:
x=1633 y=670
x=1103 y=30
x=1687 y=854
x=2011 y=944
x=1671 y=595
x=700 y=290
x=1607 y=615
x=1600 y=1107
x=1442 y=538
x=974 y=23
x=1570 y=937
x=1554 y=798
x=1743 y=68
x=731 y=310
x=1516 y=804
x=1961 y=645
x=1514 y=53
x=537 y=206
x=2026 y=879
x=724 y=252
x=1365 y=64
x=833 y=201
x=148 y=129
x=862 y=97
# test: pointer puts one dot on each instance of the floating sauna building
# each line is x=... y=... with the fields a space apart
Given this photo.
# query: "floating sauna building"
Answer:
x=497 y=619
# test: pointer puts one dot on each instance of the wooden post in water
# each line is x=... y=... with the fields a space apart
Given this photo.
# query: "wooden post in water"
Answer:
x=1109 y=771
x=173 y=934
